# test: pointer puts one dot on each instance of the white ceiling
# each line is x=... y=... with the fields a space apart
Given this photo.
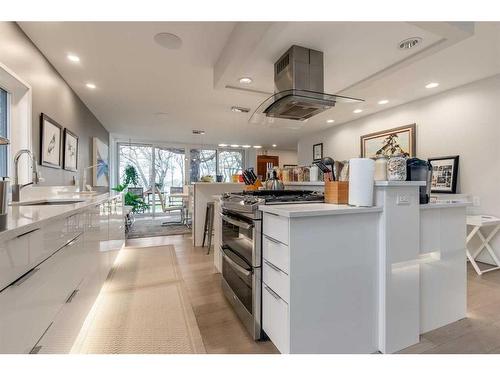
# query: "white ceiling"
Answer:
x=137 y=79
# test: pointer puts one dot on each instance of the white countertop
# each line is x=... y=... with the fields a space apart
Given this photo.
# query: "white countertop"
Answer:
x=400 y=183
x=444 y=205
x=315 y=209
x=24 y=218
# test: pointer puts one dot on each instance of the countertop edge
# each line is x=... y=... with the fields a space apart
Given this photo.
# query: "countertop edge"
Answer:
x=82 y=206
x=430 y=206
x=314 y=213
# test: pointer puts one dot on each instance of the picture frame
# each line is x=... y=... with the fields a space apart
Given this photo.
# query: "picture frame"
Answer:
x=70 y=155
x=444 y=174
x=101 y=163
x=50 y=142
x=317 y=151
x=399 y=140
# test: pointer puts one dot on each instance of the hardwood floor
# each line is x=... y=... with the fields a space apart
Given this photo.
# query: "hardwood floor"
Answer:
x=222 y=332
x=220 y=328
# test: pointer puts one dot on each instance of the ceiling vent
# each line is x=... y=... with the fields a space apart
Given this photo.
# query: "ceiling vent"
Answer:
x=198 y=132
x=410 y=42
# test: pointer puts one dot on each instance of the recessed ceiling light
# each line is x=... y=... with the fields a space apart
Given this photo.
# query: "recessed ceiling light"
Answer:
x=246 y=146
x=246 y=80
x=235 y=145
x=168 y=40
x=240 y=109
x=274 y=145
x=257 y=146
x=384 y=101
x=330 y=121
x=73 y=58
x=222 y=145
x=91 y=85
x=357 y=110
x=431 y=85
x=198 y=132
x=409 y=43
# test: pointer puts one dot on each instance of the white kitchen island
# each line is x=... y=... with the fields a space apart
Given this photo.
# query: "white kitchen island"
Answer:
x=340 y=279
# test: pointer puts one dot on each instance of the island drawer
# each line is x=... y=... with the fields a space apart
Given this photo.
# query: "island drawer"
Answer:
x=276 y=227
x=276 y=252
x=275 y=321
x=276 y=279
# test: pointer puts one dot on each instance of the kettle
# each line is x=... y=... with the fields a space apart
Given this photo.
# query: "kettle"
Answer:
x=273 y=183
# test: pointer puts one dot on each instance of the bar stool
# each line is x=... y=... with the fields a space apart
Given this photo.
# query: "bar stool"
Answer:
x=209 y=225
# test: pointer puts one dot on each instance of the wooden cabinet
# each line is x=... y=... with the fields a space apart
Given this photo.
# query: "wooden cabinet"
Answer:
x=262 y=163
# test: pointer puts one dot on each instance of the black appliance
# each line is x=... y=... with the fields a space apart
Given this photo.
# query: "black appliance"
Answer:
x=420 y=170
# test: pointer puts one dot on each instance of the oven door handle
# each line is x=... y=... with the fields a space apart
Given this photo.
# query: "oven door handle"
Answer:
x=236 y=222
x=233 y=264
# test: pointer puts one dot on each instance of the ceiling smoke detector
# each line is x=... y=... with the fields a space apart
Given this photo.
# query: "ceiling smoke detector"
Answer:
x=198 y=132
x=409 y=43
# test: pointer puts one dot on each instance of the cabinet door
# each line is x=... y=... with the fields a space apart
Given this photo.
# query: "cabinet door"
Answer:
x=14 y=260
x=28 y=306
x=275 y=318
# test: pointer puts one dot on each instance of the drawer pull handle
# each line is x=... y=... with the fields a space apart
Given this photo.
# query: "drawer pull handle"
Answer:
x=270 y=239
x=272 y=293
x=25 y=277
x=28 y=232
x=72 y=295
x=272 y=266
x=271 y=213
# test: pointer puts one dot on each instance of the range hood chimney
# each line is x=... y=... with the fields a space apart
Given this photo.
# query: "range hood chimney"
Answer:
x=298 y=81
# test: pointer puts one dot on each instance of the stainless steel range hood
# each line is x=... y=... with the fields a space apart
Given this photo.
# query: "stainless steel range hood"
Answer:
x=298 y=79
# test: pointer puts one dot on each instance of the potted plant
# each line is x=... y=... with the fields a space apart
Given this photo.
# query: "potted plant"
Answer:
x=130 y=199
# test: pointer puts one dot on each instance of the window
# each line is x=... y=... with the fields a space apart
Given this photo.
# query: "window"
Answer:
x=139 y=157
x=230 y=162
x=4 y=118
x=203 y=163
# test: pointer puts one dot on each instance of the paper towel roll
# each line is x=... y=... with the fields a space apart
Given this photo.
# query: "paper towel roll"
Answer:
x=361 y=172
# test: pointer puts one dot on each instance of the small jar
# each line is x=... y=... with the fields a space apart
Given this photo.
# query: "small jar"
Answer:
x=380 y=169
x=396 y=168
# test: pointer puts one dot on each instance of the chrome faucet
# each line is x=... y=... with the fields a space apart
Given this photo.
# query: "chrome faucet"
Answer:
x=16 y=188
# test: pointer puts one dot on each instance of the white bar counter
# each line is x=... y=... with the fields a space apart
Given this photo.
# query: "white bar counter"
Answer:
x=341 y=279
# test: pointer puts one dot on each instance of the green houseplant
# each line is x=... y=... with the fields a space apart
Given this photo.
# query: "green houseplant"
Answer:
x=130 y=199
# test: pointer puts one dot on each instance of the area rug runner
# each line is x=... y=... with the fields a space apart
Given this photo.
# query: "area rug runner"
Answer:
x=142 y=309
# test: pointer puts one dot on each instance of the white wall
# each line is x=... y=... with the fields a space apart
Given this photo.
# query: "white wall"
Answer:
x=464 y=121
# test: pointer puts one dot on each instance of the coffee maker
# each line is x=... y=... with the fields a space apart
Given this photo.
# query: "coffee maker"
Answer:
x=420 y=170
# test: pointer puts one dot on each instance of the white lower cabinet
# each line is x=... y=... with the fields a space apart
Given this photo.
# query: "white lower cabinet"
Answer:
x=43 y=311
x=275 y=319
x=14 y=259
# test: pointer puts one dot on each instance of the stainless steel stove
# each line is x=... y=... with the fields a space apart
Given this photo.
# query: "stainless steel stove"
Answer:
x=241 y=248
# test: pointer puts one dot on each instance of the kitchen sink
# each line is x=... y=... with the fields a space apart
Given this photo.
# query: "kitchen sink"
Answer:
x=47 y=202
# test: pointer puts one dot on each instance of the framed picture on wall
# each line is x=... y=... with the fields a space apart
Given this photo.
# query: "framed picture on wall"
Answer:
x=50 y=142
x=101 y=162
x=70 y=162
x=444 y=174
x=400 y=140
x=317 y=151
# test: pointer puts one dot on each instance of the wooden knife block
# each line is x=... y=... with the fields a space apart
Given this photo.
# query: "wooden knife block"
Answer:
x=337 y=192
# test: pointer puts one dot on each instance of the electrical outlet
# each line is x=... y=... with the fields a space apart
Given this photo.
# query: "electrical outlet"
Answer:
x=476 y=201
x=403 y=200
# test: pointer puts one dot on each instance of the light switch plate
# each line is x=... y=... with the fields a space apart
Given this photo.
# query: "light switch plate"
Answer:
x=403 y=200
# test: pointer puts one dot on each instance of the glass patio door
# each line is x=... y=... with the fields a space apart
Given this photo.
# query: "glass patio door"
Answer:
x=169 y=168
x=140 y=157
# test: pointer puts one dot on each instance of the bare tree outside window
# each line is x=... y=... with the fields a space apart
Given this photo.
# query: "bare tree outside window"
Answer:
x=203 y=163
x=230 y=162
